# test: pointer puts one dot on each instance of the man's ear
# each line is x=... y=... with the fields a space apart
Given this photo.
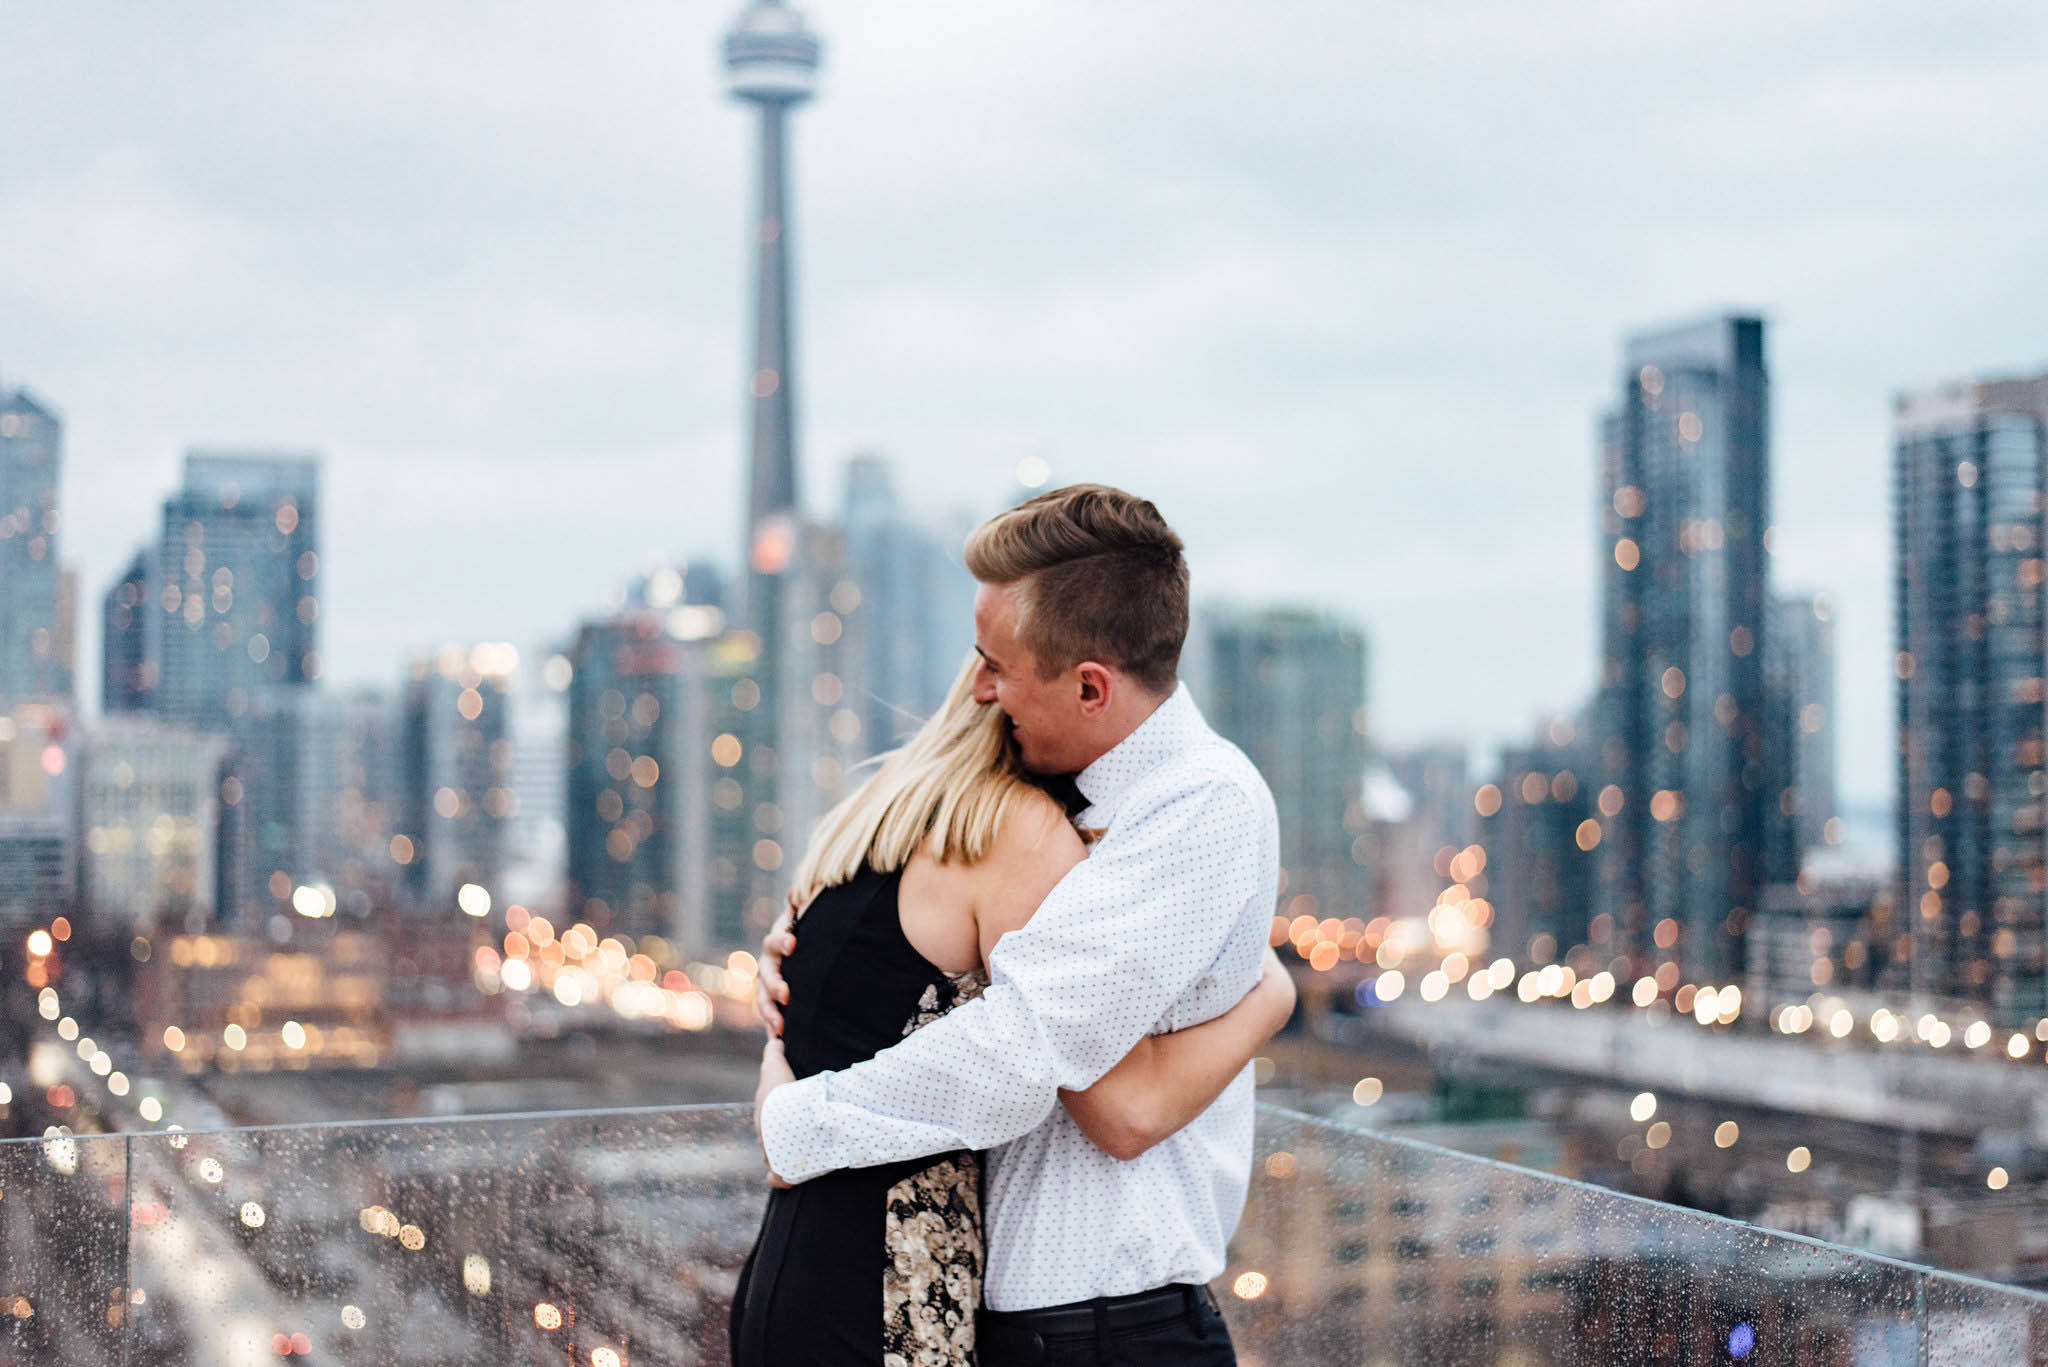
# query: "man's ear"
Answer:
x=1097 y=684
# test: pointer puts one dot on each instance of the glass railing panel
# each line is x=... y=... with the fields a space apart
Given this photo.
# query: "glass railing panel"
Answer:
x=604 y=1239
x=63 y=1250
x=1971 y=1322
x=614 y=1238
x=1359 y=1248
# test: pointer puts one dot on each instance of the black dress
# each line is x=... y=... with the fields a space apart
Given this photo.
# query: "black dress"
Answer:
x=864 y=1266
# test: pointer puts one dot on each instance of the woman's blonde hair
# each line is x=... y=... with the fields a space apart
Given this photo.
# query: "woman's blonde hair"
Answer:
x=946 y=791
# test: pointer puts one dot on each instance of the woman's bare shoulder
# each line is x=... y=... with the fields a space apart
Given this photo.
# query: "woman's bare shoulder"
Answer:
x=1034 y=847
x=1035 y=827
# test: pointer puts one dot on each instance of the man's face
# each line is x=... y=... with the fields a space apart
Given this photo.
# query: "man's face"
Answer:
x=1044 y=714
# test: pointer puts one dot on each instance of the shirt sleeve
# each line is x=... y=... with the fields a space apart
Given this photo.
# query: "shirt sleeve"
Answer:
x=1124 y=934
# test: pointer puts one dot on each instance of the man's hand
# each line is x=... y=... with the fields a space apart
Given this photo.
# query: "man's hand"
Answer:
x=775 y=1071
x=771 y=993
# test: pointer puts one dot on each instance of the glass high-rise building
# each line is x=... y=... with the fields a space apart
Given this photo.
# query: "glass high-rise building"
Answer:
x=1970 y=477
x=32 y=663
x=150 y=828
x=282 y=827
x=1686 y=789
x=237 y=584
x=1542 y=836
x=825 y=617
x=915 y=608
x=1287 y=686
x=38 y=772
x=369 y=801
x=456 y=758
x=1800 y=673
x=634 y=730
x=536 y=863
x=129 y=617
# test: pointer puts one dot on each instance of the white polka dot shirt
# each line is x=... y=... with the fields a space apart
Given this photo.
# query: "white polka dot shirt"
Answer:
x=1163 y=926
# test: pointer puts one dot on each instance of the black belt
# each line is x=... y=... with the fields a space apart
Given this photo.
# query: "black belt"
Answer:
x=1117 y=1314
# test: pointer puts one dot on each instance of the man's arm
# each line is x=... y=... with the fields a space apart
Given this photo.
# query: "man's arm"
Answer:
x=1121 y=937
x=1168 y=1080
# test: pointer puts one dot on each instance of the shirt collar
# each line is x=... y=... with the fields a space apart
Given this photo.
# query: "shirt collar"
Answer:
x=1166 y=733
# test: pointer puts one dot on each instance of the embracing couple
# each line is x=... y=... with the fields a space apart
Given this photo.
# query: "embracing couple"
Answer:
x=1005 y=1102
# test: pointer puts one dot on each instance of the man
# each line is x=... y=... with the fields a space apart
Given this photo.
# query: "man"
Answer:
x=1079 y=621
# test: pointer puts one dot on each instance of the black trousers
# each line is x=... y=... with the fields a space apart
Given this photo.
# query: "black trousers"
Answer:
x=1195 y=1337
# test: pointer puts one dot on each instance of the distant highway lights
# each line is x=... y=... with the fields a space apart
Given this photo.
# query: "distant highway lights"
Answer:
x=314 y=901
x=473 y=899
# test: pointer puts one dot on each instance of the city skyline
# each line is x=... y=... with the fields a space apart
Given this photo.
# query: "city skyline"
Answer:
x=1171 y=369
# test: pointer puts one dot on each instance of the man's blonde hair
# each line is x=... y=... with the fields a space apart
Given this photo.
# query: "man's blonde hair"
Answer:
x=1099 y=576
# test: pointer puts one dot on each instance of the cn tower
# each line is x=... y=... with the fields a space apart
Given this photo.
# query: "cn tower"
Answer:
x=771 y=62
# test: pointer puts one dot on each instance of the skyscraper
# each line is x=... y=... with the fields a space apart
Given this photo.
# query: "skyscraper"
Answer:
x=238 y=585
x=1287 y=686
x=820 y=731
x=64 y=634
x=1970 y=481
x=1541 y=838
x=370 y=800
x=537 y=839
x=128 y=660
x=149 y=803
x=31 y=464
x=456 y=766
x=283 y=826
x=38 y=855
x=1800 y=674
x=1685 y=786
x=915 y=608
x=639 y=757
x=1421 y=803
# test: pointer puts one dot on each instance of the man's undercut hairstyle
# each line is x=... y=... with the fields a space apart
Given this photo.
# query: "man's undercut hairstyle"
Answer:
x=1099 y=576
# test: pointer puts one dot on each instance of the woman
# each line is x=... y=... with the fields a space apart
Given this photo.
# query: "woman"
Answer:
x=907 y=887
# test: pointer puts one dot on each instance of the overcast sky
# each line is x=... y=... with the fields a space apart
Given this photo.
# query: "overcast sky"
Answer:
x=1341 y=285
